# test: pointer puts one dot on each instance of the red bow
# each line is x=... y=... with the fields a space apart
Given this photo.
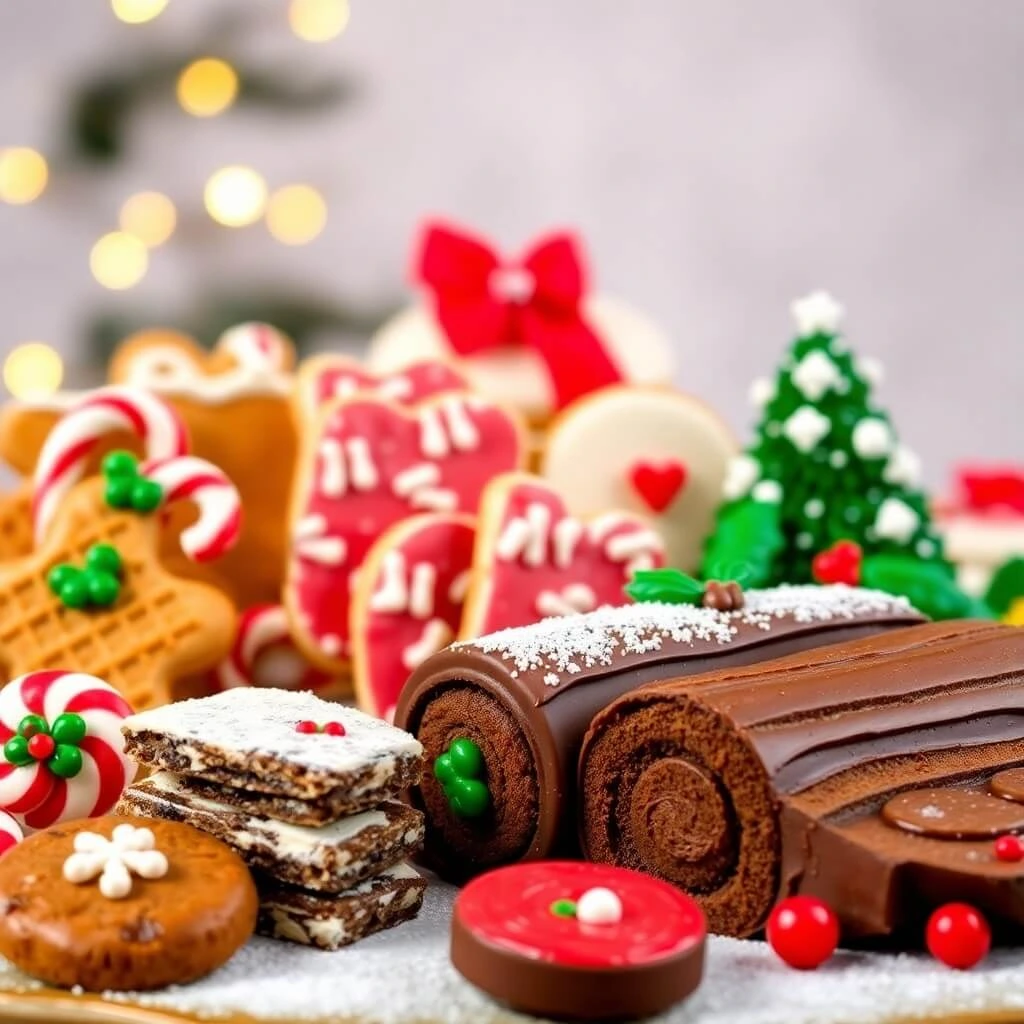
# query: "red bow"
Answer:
x=485 y=303
x=992 y=490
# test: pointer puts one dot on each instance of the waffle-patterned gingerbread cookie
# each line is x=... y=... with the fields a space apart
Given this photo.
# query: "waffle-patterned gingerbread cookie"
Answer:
x=15 y=523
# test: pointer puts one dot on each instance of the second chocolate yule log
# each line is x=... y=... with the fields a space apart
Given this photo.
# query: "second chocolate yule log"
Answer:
x=501 y=718
x=875 y=775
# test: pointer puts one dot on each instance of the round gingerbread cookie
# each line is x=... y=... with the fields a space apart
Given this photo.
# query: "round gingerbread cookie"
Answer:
x=654 y=451
x=574 y=940
x=123 y=904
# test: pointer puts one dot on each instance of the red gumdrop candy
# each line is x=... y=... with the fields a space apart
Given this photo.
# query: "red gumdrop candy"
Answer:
x=1009 y=848
x=958 y=935
x=838 y=564
x=306 y=727
x=41 y=746
x=334 y=729
x=803 y=931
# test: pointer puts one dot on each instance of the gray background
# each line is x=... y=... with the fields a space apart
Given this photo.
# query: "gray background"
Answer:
x=721 y=158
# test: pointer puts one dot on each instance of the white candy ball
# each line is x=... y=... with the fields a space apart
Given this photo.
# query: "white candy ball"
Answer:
x=599 y=906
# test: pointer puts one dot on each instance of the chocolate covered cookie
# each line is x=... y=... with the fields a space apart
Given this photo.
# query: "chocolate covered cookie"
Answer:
x=278 y=743
x=121 y=903
x=329 y=859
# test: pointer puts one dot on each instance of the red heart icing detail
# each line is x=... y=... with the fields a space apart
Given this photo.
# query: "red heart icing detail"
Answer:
x=546 y=562
x=838 y=564
x=658 y=483
x=409 y=603
x=371 y=465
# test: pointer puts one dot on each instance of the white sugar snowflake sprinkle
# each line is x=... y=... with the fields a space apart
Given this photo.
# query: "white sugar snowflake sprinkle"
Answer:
x=815 y=375
x=872 y=438
x=896 y=521
x=806 y=427
x=817 y=312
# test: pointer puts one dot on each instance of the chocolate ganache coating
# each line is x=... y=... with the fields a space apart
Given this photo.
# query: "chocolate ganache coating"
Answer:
x=874 y=775
x=525 y=697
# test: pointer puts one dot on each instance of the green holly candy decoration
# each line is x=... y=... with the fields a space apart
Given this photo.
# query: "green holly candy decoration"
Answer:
x=32 y=725
x=60 y=751
x=563 y=908
x=125 y=488
x=74 y=589
x=95 y=586
x=103 y=588
x=16 y=752
x=104 y=558
x=459 y=770
x=66 y=761
x=68 y=728
x=61 y=574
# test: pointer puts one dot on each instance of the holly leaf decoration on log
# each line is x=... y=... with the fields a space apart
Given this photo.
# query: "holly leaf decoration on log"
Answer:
x=665 y=586
x=928 y=586
x=745 y=544
x=1007 y=587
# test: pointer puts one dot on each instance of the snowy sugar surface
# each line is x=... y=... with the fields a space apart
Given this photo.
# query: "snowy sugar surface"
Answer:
x=253 y=720
x=403 y=976
x=583 y=641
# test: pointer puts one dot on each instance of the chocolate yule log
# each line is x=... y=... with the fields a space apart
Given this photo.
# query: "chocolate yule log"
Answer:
x=875 y=776
x=501 y=718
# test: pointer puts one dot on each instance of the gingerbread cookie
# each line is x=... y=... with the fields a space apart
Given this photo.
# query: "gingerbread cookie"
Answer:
x=527 y=331
x=533 y=560
x=659 y=453
x=63 y=752
x=16 y=523
x=408 y=603
x=235 y=404
x=578 y=941
x=366 y=465
x=328 y=376
x=120 y=903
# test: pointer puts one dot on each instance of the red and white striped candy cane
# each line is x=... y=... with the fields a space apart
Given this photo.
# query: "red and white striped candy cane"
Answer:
x=63 y=753
x=262 y=629
x=256 y=346
x=66 y=452
x=10 y=833
x=187 y=478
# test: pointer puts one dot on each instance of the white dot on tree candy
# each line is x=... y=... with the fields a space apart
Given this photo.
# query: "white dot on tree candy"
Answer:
x=599 y=906
x=872 y=438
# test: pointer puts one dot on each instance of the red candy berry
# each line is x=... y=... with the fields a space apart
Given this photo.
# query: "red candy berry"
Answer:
x=803 y=931
x=306 y=727
x=838 y=564
x=958 y=935
x=1009 y=848
x=41 y=746
x=334 y=729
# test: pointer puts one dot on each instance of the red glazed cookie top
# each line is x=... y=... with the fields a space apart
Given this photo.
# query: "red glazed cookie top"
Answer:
x=536 y=910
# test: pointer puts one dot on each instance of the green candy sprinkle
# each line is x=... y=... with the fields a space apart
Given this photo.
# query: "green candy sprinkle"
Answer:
x=75 y=591
x=103 y=588
x=16 y=752
x=118 y=492
x=147 y=495
x=459 y=770
x=104 y=558
x=563 y=908
x=32 y=725
x=120 y=464
x=66 y=761
x=68 y=728
x=61 y=574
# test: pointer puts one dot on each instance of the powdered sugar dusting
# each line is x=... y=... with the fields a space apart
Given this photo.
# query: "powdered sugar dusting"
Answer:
x=571 y=643
x=404 y=977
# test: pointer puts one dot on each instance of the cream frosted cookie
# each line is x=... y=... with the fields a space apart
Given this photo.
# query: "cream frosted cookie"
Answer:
x=408 y=603
x=528 y=331
x=655 y=452
x=533 y=559
x=367 y=464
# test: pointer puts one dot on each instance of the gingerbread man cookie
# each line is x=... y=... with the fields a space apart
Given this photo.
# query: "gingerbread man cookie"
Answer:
x=408 y=603
x=533 y=559
x=366 y=465
x=94 y=593
x=659 y=453
x=527 y=331
x=327 y=376
x=16 y=523
x=235 y=404
x=120 y=903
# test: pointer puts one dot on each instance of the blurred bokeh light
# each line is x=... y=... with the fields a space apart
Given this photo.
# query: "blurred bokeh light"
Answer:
x=150 y=217
x=23 y=175
x=119 y=260
x=317 y=21
x=296 y=214
x=136 y=12
x=235 y=196
x=207 y=87
x=33 y=369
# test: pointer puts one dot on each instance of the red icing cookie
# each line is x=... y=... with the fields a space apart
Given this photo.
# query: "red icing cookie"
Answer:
x=329 y=376
x=534 y=560
x=578 y=940
x=408 y=603
x=366 y=465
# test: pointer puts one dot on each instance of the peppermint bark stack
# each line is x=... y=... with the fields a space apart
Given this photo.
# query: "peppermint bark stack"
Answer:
x=305 y=791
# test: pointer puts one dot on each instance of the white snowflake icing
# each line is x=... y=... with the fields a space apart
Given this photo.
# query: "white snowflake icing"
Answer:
x=817 y=312
x=872 y=438
x=871 y=369
x=129 y=851
x=740 y=475
x=903 y=467
x=806 y=427
x=896 y=520
x=761 y=392
x=767 y=491
x=815 y=375
x=568 y=645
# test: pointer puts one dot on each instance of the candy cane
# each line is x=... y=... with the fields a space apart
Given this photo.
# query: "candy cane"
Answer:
x=255 y=346
x=260 y=629
x=63 y=752
x=187 y=478
x=65 y=453
x=10 y=833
